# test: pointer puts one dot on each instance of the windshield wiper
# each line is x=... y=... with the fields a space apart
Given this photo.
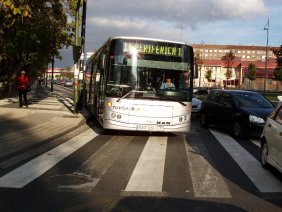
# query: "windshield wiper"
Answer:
x=136 y=91
x=182 y=103
x=130 y=92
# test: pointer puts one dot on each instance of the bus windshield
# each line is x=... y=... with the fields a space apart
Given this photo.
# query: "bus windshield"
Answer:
x=147 y=66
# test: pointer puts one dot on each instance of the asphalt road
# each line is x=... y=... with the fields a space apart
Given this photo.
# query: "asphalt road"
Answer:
x=205 y=170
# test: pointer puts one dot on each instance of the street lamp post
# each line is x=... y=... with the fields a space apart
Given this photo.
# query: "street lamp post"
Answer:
x=266 y=54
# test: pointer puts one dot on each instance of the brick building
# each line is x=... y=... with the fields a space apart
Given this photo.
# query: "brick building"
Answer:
x=244 y=55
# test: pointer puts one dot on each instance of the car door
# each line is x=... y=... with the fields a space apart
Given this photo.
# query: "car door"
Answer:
x=278 y=135
x=273 y=134
x=214 y=109
x=225 y=110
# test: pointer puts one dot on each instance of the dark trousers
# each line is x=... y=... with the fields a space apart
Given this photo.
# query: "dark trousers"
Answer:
x=22 y=97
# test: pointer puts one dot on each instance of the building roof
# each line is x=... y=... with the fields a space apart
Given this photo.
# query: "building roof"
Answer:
x=237 y=47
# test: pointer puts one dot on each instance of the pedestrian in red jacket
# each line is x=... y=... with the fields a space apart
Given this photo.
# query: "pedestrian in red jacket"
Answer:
x=22 y=89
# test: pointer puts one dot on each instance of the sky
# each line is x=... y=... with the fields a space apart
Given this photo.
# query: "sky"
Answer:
x=222 y=22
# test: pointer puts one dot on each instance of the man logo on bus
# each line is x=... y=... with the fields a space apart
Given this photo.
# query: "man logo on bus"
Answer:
x=163 y=122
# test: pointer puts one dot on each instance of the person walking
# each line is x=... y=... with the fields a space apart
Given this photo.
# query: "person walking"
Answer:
x=22 y=89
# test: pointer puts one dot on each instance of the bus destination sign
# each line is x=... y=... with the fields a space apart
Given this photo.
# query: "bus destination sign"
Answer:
x=153 y=49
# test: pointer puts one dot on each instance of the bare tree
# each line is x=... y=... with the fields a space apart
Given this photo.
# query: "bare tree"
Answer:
x=199 y=62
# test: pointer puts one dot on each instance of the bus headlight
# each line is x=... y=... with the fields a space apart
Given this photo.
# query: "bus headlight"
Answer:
x=110 y=104
x=113 y=115
x=180 y=119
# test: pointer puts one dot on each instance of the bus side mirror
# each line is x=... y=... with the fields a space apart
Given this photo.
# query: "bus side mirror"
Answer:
x=102 y=61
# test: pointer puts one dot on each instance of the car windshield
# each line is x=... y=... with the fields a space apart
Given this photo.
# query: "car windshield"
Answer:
x=251 y=100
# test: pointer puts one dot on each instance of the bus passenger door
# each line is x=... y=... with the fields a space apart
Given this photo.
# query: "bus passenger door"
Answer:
x=100 y=79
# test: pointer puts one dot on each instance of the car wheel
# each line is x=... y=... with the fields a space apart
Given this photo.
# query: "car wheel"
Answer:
x=237 y=130
x=204 y=121
x=264 y=152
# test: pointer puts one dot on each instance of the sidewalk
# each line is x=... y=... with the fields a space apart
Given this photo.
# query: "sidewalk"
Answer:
x=47 y=121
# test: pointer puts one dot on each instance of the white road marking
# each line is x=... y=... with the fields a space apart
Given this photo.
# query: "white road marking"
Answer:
x=149 y=170
x=256 y=142
x=31 y=170
x=261 y=178
x=207 y=182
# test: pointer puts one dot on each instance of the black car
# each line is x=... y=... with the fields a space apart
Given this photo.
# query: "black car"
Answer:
x=242 y=112
x=201 y=91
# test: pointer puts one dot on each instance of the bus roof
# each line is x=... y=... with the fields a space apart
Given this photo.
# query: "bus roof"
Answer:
x=144 y=38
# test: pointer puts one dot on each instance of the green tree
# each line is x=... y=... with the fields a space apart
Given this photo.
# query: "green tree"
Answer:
x=252 y=72
x=228 y=61
x=278 y=54
x=208 y=75
x=32 y=33
x=278 y=73
x=278 y=70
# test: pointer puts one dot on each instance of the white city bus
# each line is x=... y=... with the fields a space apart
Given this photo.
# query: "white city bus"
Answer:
x=122 y=84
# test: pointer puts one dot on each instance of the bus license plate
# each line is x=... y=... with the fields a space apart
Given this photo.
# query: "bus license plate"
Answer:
x=150 y=128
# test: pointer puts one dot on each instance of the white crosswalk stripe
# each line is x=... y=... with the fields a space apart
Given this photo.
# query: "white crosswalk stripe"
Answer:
x=148 y=173
x=255 y=142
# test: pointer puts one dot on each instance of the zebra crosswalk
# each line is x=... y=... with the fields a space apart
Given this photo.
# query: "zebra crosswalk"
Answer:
x=140 y=163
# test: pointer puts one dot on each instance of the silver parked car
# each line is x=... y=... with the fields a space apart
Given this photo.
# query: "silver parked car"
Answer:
x=271 y=139
x=68 y=83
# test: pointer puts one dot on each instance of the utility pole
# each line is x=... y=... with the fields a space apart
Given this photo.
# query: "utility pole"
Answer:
x=78 y=48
